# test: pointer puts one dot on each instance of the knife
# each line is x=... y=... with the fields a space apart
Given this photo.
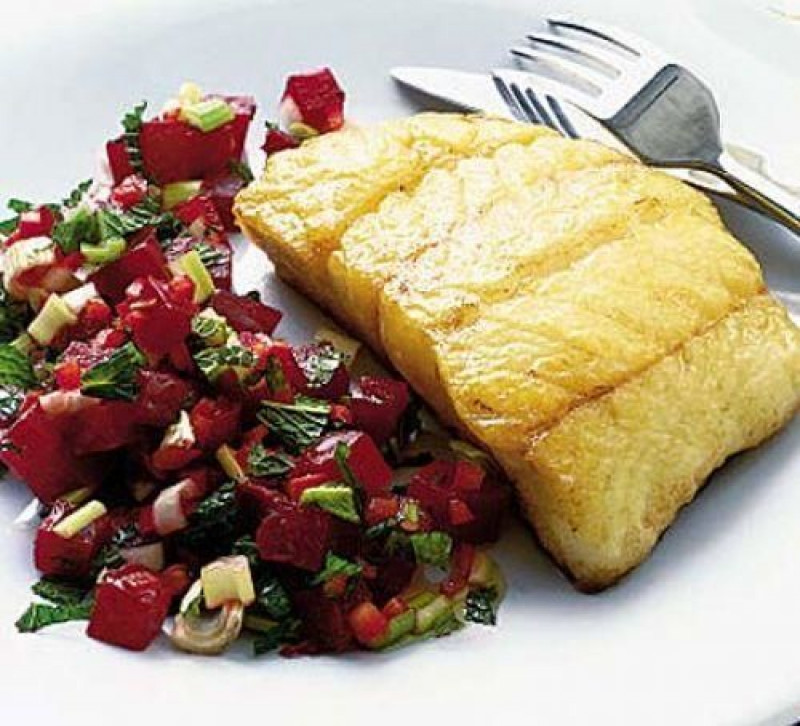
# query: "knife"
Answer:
x=477 y=92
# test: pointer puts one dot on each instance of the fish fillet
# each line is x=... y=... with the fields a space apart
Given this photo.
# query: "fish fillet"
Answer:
x=587 y=320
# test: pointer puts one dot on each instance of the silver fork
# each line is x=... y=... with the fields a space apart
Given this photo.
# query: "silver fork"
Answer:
x=653 y=105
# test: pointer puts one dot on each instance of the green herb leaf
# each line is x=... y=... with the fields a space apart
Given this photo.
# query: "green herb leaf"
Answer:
x=284 y=632
x=337 y=499
x=39 y=615
x=274 y=375
x=60 y=592
x=241 y=169
x=15 y=368
x=14 y=316
x=113 y=223
x=272 y=598
x=247 y=546
x=132 y=124
x=320 y=363
x=296 y=424
x=432 y=548
x=116 y=376
x=212 y=526
x=341 y=455
x=335 y=566
x=11 y=398
x=481 y=606
x=80 y=228
x=73 y=199
x=261 y=462
x=209 y=254
x=110 y=555
x=20 y=206
x=213 y=362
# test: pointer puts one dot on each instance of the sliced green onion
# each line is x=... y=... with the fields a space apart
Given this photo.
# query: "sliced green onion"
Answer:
x=54 y=316
x=106 y=251
x=302 y=131
x=177 y=192
x=80 y=519
x=208 y=115
x=191 y=264
x=23 y=343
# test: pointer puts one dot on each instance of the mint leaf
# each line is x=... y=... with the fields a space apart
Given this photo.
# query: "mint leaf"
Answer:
x=132 y=124
x=60 y=592
x=337 y=499
x=319 y=363
x=296 y=424
x=341 y=455
x=213 y=362
x=284 y=632
x=79 y=228
x=13 y=316
x=112 y=223
x=261 y=462
x=481 y=606
x=212 y=526
x=73 y=199
x=432 y=548
x=335 y=566
x=209 y=255
x=15 y=368
x=20 y=206
x=39 y=616
x=115 y=377
x=241 y=169
x=272 y=598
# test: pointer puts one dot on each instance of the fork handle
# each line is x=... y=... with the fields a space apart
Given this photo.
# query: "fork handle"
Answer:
x=762 y=194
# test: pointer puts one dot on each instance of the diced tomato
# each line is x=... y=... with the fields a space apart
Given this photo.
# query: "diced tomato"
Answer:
x=379 y=509
x=158 y=314
x=59 y=556
x=67 y=375
x=130 y=607
x=377 y=405
x=39 y=452
x=276 y=140
x=244 y=313
x=161 y=397
x=143 y=259
x=294 y=536
x=107 y=426
x=341 y=414
x=319 y=381
x=129 y=192
x=368 y=623
x=118 y=161
x=215 y=421
x=363 y=459
x=174 y=151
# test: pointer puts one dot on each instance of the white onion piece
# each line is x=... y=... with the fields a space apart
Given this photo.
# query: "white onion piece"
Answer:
x=148 y=555
x=168 y=516
x=76 y=299
x=60 y=402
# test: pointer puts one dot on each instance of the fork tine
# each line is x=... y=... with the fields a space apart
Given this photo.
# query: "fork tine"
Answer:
x=620 y=39
x=593 y=105
x=570 y=69
x=564 y=125
x=509 y=98
x=609 y=61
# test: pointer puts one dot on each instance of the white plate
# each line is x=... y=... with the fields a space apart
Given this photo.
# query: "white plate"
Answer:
x=706 y=632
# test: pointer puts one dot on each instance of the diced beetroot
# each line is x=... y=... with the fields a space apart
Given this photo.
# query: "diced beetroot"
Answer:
x=129 y=192
x=284 y=375
x=158 y=314
x=314 y=99
x=341 y=415
x=443 y=487
x=392 y=578
x=176 y=580
x=364 y=461
x=144 y=259
x=294 y=536
x=319 y=380
x=377 y=405
x=222 y=190
x=368 y=624
x=161 y=397
x=118 y=161
x=244 y=313
x=379 y=509
x=256 y=501
x=130 y=607
x=68 y=557
x=215 y=422
x=67 y=375
x=175 y=151
x=104 y=427
x=325 y=621
x=36 y=223
x=296 y=485
x=171 y=458
x=40 y=453
x=276 y=140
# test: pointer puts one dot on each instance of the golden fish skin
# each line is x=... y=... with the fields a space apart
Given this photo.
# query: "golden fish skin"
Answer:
x=587 y=320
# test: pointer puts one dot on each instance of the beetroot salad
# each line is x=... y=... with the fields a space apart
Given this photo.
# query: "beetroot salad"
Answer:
x=194 y=474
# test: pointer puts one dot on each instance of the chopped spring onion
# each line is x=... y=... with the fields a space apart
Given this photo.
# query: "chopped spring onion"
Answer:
x=80 y=519
x=76 y=299
x=208 y=115
x=103 y=252
x=25 y=255
x=337 y=499
x=192 y=265
x=302 y=131
x=226 y=579
x=177 y=192
x=77 y=496
x=189 y=94
x=227 y=460
x=54 y=316
x=433 y=613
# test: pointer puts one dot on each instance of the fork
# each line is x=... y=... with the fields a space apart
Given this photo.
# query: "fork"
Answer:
x=656 y=107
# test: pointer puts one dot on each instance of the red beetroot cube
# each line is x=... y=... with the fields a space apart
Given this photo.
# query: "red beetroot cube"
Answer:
x=118 y=160
x=314 y=99
x=276 y=140
x=244 y=314
x=41 y=454
x=215 y=421
x=222 y=190
x=290 y=535
x=68 y=557
x=129 y=192
x=320 y=382
x=130 y=606
x=161 y=397
x=377 y=406
x=143 y=259
x=107 y=426
x=36 y=223
x=364 y=460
